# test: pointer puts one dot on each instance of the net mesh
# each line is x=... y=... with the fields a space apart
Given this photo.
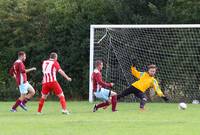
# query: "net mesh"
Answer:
x=175 y=51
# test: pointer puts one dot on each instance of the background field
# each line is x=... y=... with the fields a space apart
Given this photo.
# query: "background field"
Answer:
x=159 y=119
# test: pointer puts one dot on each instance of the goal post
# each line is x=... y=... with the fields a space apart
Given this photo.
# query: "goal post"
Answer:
x=91 y=62
x=174 y=48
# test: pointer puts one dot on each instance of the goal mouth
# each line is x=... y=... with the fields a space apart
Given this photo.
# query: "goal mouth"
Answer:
x=174 y=49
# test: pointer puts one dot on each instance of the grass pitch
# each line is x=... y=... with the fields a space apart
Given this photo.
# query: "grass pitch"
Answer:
x=158 y=119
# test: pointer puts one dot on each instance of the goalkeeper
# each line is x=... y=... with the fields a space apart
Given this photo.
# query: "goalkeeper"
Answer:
x=145 y=80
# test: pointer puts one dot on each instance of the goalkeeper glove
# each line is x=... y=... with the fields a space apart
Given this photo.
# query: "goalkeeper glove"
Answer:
x=134 y=62
x=166 y=99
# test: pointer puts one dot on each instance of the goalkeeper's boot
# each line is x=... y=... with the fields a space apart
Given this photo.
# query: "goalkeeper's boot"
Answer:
x=95 y=108
x=23 y=107
x=66 y=112
x=142 y=109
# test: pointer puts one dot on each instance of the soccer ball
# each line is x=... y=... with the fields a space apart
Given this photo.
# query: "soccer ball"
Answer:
x=182 y=106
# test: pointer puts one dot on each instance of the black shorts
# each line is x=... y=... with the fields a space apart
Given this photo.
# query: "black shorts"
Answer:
x=139 y=94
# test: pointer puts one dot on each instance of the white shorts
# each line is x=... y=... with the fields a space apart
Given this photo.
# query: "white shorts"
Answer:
x=103 y=94
x=23 y=88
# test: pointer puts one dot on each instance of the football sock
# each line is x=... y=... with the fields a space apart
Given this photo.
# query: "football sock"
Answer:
x=63 y=102
x=103 y=104
x=25 y=101
x=16 y=104
x=41 y=103
x=114 y=103
x=142 y=103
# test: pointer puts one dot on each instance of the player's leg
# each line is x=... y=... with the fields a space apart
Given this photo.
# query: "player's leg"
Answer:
x=113 y=100
x=59 y=92
x=63 y=103
x=142 y=98
x=45 y=93
x=104 y=95
x=103 y=105
x=126 y=92
x=18 y=102
x=31 y=93
x=41 y=102
x=23 y=92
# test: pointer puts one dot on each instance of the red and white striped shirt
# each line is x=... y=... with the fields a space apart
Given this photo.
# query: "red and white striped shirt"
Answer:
x=49 y=69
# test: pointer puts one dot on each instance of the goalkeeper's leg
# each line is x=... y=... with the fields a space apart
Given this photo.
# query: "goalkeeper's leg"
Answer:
x=126 y=92
x=139 y=94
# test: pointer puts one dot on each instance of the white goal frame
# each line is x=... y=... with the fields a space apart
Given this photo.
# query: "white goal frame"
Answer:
x=107 y=26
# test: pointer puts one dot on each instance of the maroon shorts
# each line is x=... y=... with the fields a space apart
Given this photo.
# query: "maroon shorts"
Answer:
x=51 y=86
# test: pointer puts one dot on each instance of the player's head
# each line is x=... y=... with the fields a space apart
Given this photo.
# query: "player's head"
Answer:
x=99 y=64
x=53 y=55
x=22 y=55
x=152 y=69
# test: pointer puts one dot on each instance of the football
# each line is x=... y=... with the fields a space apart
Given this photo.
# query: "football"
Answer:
x=182 y=106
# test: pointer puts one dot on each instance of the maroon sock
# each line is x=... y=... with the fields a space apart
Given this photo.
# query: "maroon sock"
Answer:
x=114 y=103
x=102 y=104
x=25 y=101
x=16 y=104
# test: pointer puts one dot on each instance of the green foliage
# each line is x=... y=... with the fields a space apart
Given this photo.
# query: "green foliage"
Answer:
x=183 y=11
x=41 y=26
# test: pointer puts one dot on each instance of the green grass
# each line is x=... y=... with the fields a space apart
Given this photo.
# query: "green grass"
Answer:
x=158 y=119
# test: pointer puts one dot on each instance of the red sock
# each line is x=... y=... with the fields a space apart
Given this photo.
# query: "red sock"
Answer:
x=114 y=103
x=25 y=101
x=16 y=104
x=103 y=104
x=41 y=103
x=63 y=103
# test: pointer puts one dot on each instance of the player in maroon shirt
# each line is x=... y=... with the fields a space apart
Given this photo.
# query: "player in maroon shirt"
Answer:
x=100 y=89
x=18 y=72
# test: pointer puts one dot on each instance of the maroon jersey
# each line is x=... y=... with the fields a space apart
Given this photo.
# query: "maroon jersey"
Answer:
x=97 y=81
x=19 y=72
x=49 y=69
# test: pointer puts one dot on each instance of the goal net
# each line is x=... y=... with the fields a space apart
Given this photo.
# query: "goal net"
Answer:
x=175 y=49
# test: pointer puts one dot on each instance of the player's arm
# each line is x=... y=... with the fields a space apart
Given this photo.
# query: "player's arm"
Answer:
x=158 y=91
x=64 y=75
x=12 y=72
x=30 y=69
x=59 y=69
x=23 y=70
x=135 y=72
x=103 y=83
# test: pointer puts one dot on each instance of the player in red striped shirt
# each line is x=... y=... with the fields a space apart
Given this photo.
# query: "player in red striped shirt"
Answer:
x=18 y=71
x=49 y=83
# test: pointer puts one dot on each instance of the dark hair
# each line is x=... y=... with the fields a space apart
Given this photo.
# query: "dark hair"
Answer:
x=97 y=63
x=151 y=66
x=21 y=53
x=53 y=55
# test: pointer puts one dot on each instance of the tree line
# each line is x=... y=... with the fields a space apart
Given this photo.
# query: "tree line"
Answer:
x=41 y=26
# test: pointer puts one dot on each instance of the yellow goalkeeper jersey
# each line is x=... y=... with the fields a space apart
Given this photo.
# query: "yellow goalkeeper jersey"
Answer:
x=145 y=81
